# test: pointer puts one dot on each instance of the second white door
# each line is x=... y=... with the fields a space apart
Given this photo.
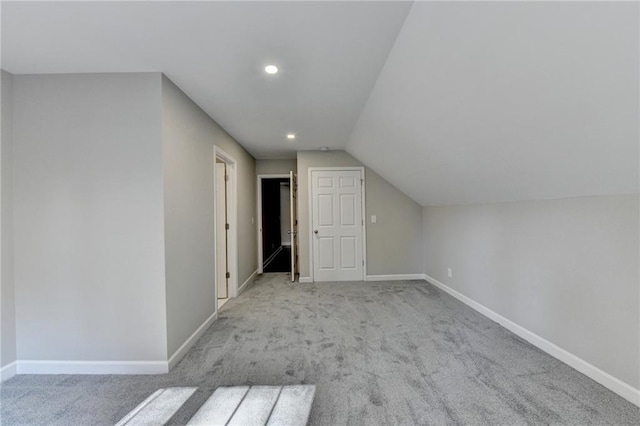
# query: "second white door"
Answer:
x=221 y=231
x=336 y=198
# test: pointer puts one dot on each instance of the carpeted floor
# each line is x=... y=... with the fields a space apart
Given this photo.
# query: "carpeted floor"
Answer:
x=380 y=353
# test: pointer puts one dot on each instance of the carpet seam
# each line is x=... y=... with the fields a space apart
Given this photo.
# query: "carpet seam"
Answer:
x=274 y=404
x=238 y=406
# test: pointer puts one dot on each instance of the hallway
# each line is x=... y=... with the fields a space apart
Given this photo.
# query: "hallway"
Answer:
x=379 y=353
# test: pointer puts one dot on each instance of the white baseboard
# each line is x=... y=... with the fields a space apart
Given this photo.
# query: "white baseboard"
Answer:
x=396 y=277
x=184 y=348
x=246 y=282
x=92 y=367
x=623 y=389
x=108 y=367
x=8 y=371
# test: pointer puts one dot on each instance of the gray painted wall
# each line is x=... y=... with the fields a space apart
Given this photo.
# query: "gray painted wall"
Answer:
x=273 y=167
x=188 y=160
x=7 y=290
x=189 y=136
x=88 y=214
x=566 y=269
x=394 y=242
x=247 y=199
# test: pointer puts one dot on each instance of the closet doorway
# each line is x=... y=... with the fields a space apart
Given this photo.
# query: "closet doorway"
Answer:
x=277 y=224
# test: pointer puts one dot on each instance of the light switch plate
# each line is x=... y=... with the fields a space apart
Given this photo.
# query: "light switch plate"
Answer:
x=373 y=219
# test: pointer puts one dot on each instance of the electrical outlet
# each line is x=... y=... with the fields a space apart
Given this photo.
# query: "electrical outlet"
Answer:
x=374 y=219
x=449 y=272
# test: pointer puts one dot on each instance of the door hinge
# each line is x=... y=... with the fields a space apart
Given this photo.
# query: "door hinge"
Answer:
x=226 y=178
x=226 y=226
x=228 y=275
x=363 y=263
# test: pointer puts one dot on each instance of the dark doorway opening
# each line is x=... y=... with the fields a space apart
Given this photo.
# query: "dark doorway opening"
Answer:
x=276 y=219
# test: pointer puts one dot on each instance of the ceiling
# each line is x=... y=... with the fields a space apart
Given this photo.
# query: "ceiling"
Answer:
x=452 y=102
x=329 y=55
x=491 y=102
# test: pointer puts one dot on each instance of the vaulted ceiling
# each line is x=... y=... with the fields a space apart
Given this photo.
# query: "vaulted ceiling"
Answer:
x=329 y=55
x=452 y=102
x=503 y=101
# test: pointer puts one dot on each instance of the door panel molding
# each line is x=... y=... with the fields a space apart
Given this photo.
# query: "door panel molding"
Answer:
x=342 y=183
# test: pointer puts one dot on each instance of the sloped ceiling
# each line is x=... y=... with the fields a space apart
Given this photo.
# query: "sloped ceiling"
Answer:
x=452 y=102
x=503 y=101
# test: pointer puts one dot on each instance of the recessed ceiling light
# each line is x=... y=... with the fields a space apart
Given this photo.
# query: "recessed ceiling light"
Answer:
x=324 y=148
x=291 y=135
x=271 y=69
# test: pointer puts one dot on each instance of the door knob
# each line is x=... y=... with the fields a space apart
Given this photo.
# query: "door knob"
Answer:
x=315 y=232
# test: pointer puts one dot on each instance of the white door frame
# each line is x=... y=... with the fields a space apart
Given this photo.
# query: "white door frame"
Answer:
x=232 y=218
x=259 y=215
x=310 y=196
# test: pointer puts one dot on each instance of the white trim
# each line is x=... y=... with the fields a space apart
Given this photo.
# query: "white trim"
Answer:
x=184 y=348
x=364 y=223
x=293 y=223
x=232 y=219
x=259 y=215
x=623 y=389
x=305 y=280
x=247 y=281
x=337 y=169
x=8 y=371
x=363 y=209
x=92 y=367
x=394 y=277
x=109 y=367
x=309 y=224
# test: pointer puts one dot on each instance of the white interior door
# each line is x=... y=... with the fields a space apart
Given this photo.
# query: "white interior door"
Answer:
x=293 y=229
x=336 y=198
x=221 y=231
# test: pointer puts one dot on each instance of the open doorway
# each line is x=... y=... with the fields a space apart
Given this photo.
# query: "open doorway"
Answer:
x=277 y=224
x=276 y=236
x=225 y=227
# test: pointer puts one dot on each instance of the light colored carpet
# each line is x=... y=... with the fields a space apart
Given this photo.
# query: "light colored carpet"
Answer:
x=230 y=406
x=379 y=353
x=158 y=408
